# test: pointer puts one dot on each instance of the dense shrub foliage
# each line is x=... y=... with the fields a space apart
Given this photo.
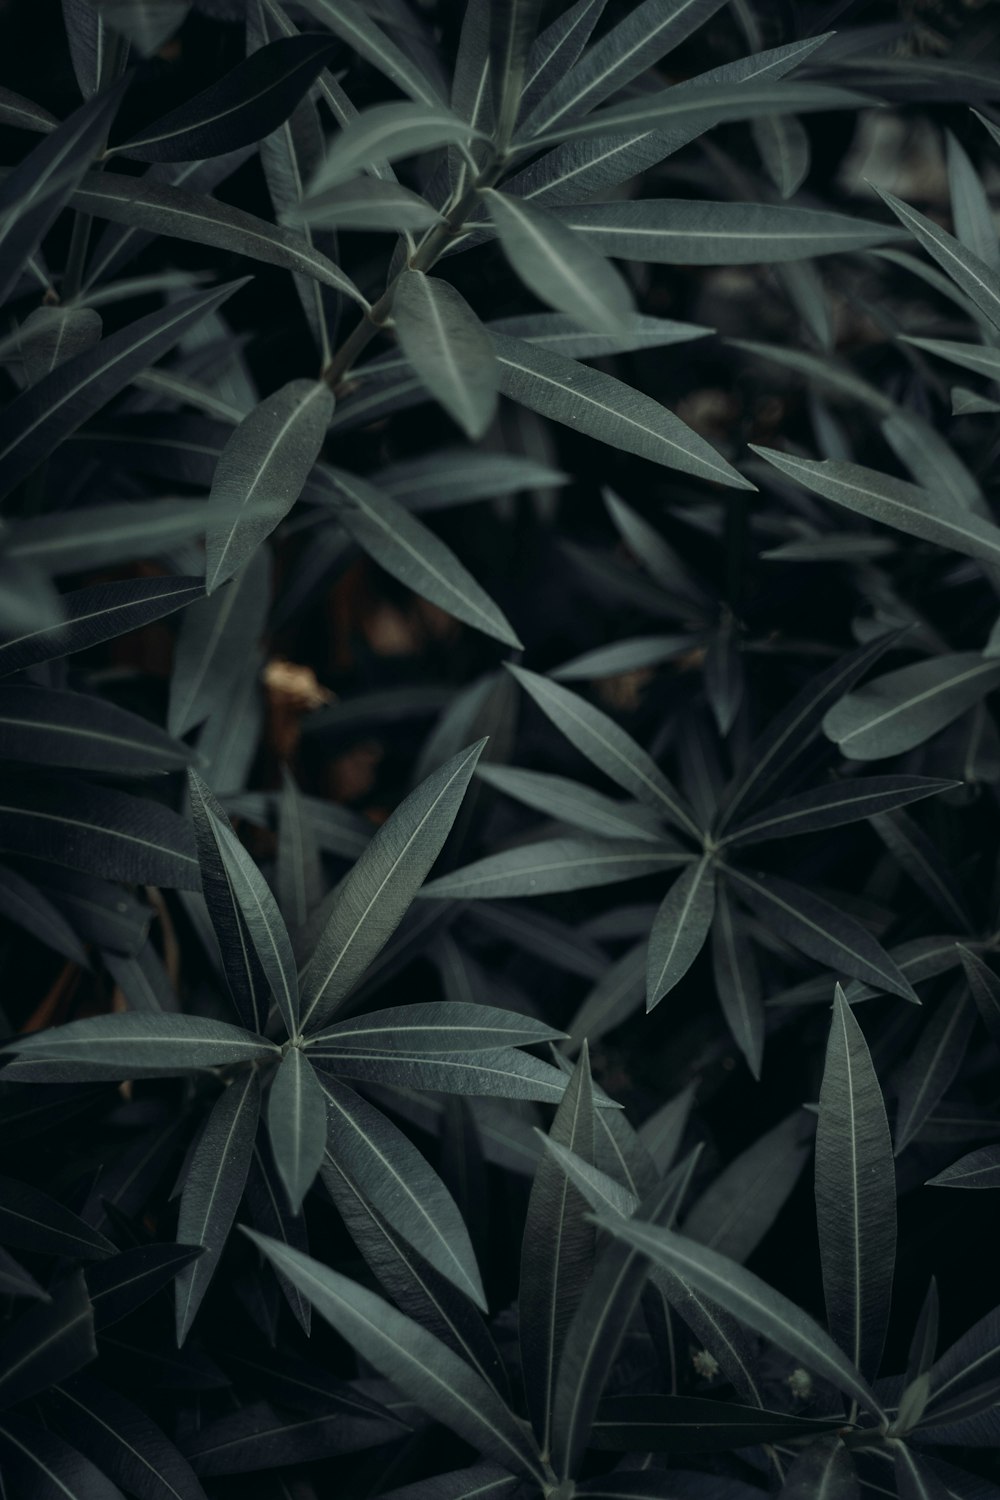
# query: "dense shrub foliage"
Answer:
x=498 y=838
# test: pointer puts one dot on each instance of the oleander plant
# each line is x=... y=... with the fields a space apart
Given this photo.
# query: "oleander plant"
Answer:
x=500 y=798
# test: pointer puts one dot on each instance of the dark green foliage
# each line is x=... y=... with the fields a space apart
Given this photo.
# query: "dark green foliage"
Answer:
x=492 y=535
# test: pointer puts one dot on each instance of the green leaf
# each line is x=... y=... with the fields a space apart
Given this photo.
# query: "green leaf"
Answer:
x=84 y=826
x=512 y=30
x=892 y=502
x=38 y=187
x=676 y=231
x=933 y=1064
x=855 y=1194
x=47 y=727
x=387 y=132
x=603 y=408
x=608 y=746
x=119 y=1285
x=98 y=613
x=212 y=643
x=557 y=1252
x=121 y=1438
x=158 y=208
x=697 y=105
x=573 y=803
x=416 y=1362
x=783 y=144
x=748 y=1299
x=434 y=1026
x=979 y=358
x=680 y=929
x=840 y=802
x=692 y=1424
x=624 y=656
x=557 y=48
x=737 y=980
x=239 y=109
x=598 y=1188
x=51 y=335
x=296 y=1122
x=448 y=348
x=737 y=1209
x=414 y=555
x=31 y=1220
x=400 y=1184
x=624 y=52
x=819 y=930
x=364 y=203
x=979 y=281
x=242 y=905
x=352 y=23
x=411 y=1281
x=375 y=895
x=985 y=988
x=213 y=1188
x=261 y=473
x=100 y=535
x=619 y=991
x=132 y=1045
x=558 y=265
x=499 y=1072
x=555 y=865
x=980 y=1169
x=42 y=416
x=598 y=1327
x=915 y=1480
x=904 y=708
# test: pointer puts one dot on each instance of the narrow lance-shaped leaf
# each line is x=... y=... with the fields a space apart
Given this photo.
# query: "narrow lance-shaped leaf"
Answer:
x=904 y=708
x=512 y=31
x=932 y=1065
x=132 y=1045
x=604 y=408
x=213 y=1189
x=212 y=643
x=855 y=1194
x=246 y=104
x=47 y=727
x=556 y=865
x=977 y=279
x=608 y=746
x=241 y=902
x=980 y=1169
x=448 y=347
x=99 y=613
x=672 y=231
x=572 y=802
x=557 y=1252
x=387 y=132
x=847 y=801
x=31 y=1220
x=35 y=191
x=380 y=887
x=680 y=928
x=623 y=53
x=892 y=502
x=737 y=1209
x=750 y=1300
x=434 y=1026
x=793 y=729
x=737 y=979
x=985 y=988
x=414 y=1360
x=42 y=416
x=393 y=1176
x=558 y=265
x=404 y=546
x=693 y=1424
x=118 y=1436
x=296 y=1122
x=262 y=471
x=820 y=930
x=51 y=335
x=151 y=207
x=353 y=24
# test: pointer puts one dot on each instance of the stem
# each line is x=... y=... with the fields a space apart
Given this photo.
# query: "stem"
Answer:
x=430 y=248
